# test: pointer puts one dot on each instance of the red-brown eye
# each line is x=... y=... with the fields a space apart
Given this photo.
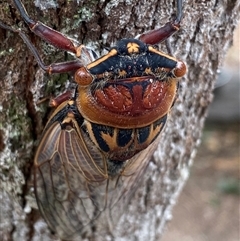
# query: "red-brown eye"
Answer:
x=83 y=77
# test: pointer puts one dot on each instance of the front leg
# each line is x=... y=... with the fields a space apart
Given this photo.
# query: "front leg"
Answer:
x=62 y=67
x=159 y=35
x=48 y=34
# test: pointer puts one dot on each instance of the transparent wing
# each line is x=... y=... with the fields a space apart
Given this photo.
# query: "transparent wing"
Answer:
x=123 y=187
x=65 y=179
x=72 y=186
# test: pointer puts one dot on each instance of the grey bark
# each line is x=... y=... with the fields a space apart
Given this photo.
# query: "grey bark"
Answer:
x=206 y=34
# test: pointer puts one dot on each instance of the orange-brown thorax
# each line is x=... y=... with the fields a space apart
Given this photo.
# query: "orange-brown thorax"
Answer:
x=136 y=102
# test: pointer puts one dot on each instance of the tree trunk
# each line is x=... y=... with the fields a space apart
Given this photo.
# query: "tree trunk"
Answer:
x=205 y=35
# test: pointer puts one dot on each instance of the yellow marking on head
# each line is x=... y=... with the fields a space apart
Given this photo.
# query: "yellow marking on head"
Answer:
x=148 y=70
x=133 y=48
x=153 y=50
x=122 y=73
x=112 y=53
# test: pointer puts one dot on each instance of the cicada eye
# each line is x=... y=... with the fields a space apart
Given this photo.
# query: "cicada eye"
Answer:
x=83 y=77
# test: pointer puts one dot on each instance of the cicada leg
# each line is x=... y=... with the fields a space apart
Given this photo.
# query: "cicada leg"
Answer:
x=50 y=35
x=55 y=102
x=159 y=35
x=62 y=67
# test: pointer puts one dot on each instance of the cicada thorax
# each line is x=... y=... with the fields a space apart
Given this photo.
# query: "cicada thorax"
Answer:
x=125 y=97
x=119 y=144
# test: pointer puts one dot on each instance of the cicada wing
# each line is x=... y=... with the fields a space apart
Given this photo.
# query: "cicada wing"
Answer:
x=72 y=183
x=133 y=172
x=67 y=178
x=122 y=188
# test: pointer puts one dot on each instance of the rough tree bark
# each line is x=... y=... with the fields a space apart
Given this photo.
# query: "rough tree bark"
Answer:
x=206 y=34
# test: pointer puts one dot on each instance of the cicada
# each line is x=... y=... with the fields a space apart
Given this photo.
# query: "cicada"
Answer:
x=94 y=148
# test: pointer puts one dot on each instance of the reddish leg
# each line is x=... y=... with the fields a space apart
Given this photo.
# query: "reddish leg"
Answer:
x=51 y=36
x=54 y=102
x=159 y=35
x=52 y=68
